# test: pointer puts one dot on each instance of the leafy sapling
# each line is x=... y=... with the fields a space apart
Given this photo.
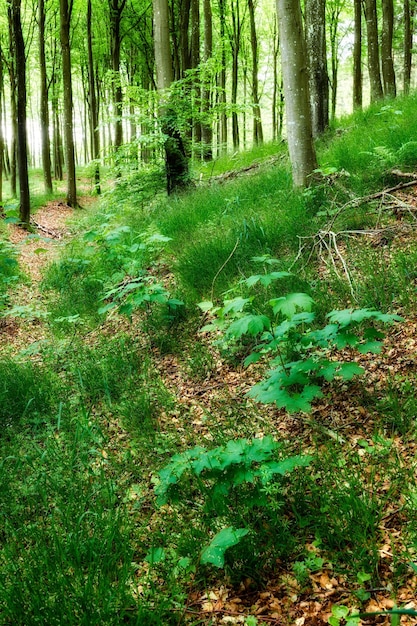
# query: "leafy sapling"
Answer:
x=300 y=356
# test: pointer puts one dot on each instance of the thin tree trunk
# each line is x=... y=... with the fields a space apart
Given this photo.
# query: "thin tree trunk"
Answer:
x=206 y=127
x=13 y=105
x=116 y=10
x=297 y=97
x=373 y=50
x=1 y=126
x=388 y=72
x=65 y=19
x=408 y=46
x=44 y=110
x=357 y=56
x=222 y=133
x=92 y=102
x=258 y=135
x=21 y=114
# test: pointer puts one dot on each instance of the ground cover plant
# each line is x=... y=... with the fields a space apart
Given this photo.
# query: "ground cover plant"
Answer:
x=250 y=460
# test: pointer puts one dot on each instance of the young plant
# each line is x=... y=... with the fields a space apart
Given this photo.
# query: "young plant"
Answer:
x=222 y=473
x=300 y=356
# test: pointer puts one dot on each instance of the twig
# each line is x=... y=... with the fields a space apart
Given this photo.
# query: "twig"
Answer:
x=222 y=268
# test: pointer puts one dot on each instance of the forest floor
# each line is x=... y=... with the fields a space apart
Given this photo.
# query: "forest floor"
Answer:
x=344 y=415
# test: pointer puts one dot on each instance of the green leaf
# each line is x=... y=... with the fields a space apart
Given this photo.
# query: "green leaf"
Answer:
x=349 y=370
x=265 y=279
x=235 y=306
x=155 y=555
x=248 y=325
x=288 y=305
x=370 y=346
x=205 y=306
x=214 y=553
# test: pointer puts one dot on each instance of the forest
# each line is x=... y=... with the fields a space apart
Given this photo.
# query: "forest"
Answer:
x=208 y=290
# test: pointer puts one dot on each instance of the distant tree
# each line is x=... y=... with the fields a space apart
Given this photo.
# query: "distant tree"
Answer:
x=297 y=99
x=65 y=21
x=357 y=55
x=116 y=8
x=22 y=158
x=44 y=105
x=409 y=11
x=258 y=135
x=92 y=101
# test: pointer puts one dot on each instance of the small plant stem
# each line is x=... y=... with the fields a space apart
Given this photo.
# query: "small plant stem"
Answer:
x=222 y=268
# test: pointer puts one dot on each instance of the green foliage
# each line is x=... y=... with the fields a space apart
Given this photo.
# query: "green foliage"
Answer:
x=301 y=356
x=342 y=615
x=27 y=391
x=249 y=467
x=9 y=271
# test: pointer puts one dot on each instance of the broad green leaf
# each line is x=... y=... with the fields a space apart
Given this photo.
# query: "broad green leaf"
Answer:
x=214 y=553
x=265 y=279
x=288 y=305
x=205 y=306
x=155 y=555
x=248 y=325
x=349 y=370
x=370 y=346
x=235 y=306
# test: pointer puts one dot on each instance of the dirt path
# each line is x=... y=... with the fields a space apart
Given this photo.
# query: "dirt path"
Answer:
x=36 y=251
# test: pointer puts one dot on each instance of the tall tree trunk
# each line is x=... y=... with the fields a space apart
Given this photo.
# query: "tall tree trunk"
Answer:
x=1 y=126
x=21 y=114
x=388 y=72
x=297 y=98
x=258 y=135
x=357 y=56
x=13 y=104
x=65 y=20
x=116 y=9
x=206 y=127
x=373 y=49
x=317 y=61
x=176 y=161
x=408 y=44
x=93 y=103
x=44 y=110
x=221 y=82
x=235 y=44
x=195 y=62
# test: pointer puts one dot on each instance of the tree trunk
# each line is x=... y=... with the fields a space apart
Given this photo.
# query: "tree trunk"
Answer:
x=373 y=49
x=21 y=114
x=258 y=136
x=92 y=102
x=357 y=56
x=297 y=98
x=116 y=9
x=176 y=161
x=65 y=19
x=13 y=104
x=388 y=72
x=206 y=127
x=408 y=45
x=221 y=82
x=317 y=61
x=1 y=126
x=44 y=110
x=195 y=62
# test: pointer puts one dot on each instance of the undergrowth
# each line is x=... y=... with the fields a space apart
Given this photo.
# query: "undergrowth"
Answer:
x=130 y=475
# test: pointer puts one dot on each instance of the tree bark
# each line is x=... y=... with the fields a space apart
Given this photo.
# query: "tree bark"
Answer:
x=176 y=161
x=206 y=127
x=317 y=62
x=297 y=98
x=373 y=49
x=13 y=104
x=116 y=10
x=408 y=44
x=357 y=56
x=388 y=72
x=22 y=160
x=258 y=135
x=65 y=20
x=221 y=82
x=44 y=110
x=92 y=102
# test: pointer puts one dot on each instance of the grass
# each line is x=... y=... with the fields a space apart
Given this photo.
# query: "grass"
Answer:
x=90 y=418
